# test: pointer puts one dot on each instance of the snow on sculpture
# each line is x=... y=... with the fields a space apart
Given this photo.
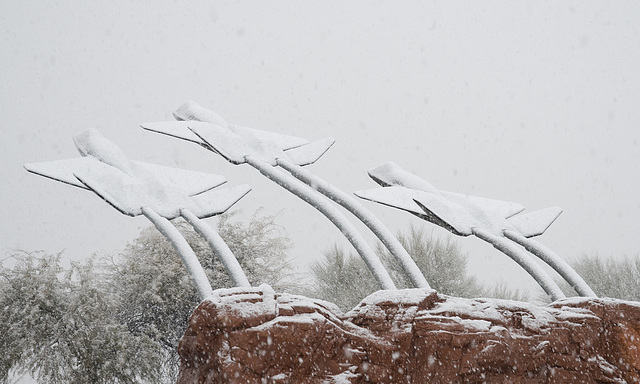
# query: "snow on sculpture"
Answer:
x=491 y=220
x=157 y=192
x=261 y=148
x=240 y=145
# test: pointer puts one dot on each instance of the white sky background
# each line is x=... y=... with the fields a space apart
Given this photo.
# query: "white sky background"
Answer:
x=532 y=102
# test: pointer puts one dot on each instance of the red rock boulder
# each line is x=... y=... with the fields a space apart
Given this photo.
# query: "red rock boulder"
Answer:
x=409 y=336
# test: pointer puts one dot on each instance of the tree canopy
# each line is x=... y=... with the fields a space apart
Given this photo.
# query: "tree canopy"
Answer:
x=118 y=318
x=610 y=276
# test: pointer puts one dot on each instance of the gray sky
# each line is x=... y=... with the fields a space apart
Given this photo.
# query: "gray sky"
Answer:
x=533 y=102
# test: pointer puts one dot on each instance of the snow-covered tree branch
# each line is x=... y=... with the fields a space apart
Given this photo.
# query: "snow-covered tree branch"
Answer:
x=118 y=318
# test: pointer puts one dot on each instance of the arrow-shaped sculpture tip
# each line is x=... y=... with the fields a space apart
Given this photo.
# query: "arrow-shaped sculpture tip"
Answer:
x=390 y=173
x=535 y=223
x=309 y=153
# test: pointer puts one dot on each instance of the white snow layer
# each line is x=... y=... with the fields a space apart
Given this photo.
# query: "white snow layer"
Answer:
x=235 y=142
x=475 y=315
x=130 y=185
x=462 y=212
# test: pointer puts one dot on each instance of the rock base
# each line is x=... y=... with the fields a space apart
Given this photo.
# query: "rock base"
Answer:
x=409 y=336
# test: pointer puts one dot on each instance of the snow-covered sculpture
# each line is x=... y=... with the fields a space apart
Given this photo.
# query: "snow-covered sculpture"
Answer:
x=491 y=220
x=264 y=150
x=157 y=192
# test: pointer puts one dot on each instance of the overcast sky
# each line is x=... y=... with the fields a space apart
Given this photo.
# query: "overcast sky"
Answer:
x=533 y=102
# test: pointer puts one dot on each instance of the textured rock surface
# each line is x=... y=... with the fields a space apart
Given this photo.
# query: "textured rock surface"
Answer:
x=409 y=336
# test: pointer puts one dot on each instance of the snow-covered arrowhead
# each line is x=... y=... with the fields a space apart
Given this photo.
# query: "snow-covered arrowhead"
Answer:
x=218 y=201
x=491 y=207
x=235 y=142
x=122 y=201
x=390 y=173
x=455 y=211
x=60 y=170
x=535 y=223
x=130 y=192
x=282 y=141
x=235 y=147
x=447 y=215
x=178 y=129
x=194 y=112
x=129 y=195
x=309 y=153
x=395 y=196
x=130 y=185
x=192 y=182
x=64 y=171
x=428 y=206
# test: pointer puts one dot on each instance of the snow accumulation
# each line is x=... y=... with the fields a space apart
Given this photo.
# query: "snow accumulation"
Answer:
x=235 y=147
x=474 y=314
x=221 y=249
x=246 y=302
x=535 y=223
x=263 y=150
x=309 y=153
x=192 y=111
x=235 y=142
x=179 y=243
x=390 y=173
x=462 y=212
x=412 y=296
x=130 y=185
x=253 y=301
x=489 y=219
x=310 y=196
x=419 y=332
x=91 y=143
x=160 y=193
x=429 y=206
x=367 y=217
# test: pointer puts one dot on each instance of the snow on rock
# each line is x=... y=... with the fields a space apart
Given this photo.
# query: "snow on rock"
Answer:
x=254 y=335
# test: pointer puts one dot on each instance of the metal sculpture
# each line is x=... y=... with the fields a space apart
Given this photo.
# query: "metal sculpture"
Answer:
x=493 y=221
x=263 y=151
x=290 y=153
x=293 y=163
x=157 y=192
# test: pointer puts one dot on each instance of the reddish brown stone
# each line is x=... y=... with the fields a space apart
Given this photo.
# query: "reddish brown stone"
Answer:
x=409 y=336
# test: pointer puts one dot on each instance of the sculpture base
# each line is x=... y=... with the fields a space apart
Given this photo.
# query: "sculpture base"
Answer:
x=253 y=335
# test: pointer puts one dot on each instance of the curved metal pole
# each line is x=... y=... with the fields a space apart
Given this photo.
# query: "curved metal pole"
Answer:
x=554 y=261
x=336 y=217
x=367 y=217
x=525 y=261
x=196 y=272
x=220 y=248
